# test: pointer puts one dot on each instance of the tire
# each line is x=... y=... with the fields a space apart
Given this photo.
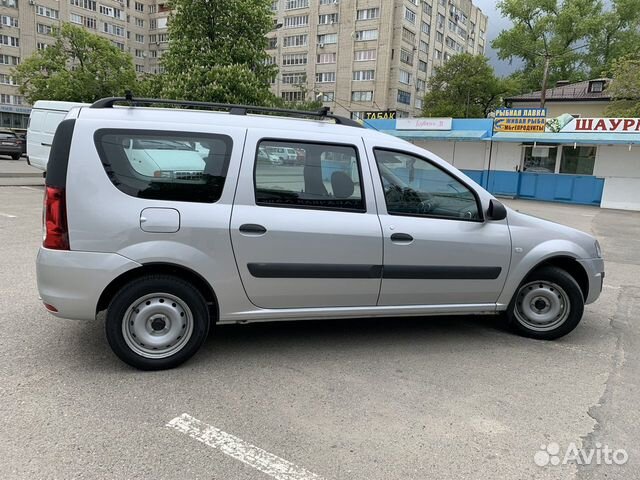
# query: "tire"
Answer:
x=157 y=322
x=16 y=156
x=547 y=305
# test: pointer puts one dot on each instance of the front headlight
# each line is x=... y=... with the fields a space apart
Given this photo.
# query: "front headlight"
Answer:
x=598 y=250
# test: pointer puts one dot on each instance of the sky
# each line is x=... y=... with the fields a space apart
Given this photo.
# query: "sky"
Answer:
x=496 y=25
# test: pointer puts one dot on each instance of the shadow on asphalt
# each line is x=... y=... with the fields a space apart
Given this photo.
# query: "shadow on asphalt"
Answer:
x=240 y=343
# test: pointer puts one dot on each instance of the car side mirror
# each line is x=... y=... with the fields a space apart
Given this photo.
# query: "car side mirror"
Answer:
x=496 y=210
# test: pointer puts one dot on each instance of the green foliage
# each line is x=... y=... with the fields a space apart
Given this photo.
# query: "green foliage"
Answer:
x=625 y=88
x=552 y=29
x=465 y=87
x=217 y=52
x=79 y=67
x=617 y=36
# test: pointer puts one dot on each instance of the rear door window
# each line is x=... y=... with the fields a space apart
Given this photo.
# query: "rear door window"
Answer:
x=308 y=175
x=177 y=166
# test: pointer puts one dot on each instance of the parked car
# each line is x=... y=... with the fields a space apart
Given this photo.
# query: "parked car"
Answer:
x=288 y=156
x=43 y=121
x=11 y=144
x=172 y=248
x=266 y=158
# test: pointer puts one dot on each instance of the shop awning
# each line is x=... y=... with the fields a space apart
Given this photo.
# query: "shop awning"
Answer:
x=451 y=135
x=569 y=138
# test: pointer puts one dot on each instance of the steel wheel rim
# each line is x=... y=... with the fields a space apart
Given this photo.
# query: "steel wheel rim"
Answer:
x=542 y=306
x=157 y=325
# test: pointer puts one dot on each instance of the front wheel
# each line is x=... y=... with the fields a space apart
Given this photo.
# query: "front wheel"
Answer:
x=16 y=156
x=157 y=322
x=547 y=305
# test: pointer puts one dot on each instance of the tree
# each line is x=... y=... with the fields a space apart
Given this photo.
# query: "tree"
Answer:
x=78 y=67
x=618 y=35
x=625 y=88
x=551 y=37
x=217 y=52
x=465 y=87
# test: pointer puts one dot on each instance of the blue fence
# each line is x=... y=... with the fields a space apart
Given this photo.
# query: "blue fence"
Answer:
x=580 y=189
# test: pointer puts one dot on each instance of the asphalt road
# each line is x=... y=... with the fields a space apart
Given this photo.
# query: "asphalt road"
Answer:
x=448 y=397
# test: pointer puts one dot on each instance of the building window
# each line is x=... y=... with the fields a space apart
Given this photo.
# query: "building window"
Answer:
x=294 y=59
x=419 y=103
x=296 y=41
x=296 y=96
x=406 y=57
x=294 y=78
x=296 y=22
x=540 y=159
x=139 y=38
x=408 y=36
x=426 y=8
x=8 y=21
x=325 y=58
x=363 y=75
x=578 y=161
x=422 y=66
x=426 y=28
x=9 y=3
x=328 y=96
x=363 y=35
x=365 y=55
x=362 y=96
x=273 y=43
x=421 y=85
x=9 y=41
x=327 y=39
x=293 y=4
x=405 y=77
x=44 y=29
x=86 y=4
x=139 y=7
x=424 y=46
x=368 y=14
x=326 y=77
x=328 y=19
x=404 y=97
x=409 y=15
x=47 y=12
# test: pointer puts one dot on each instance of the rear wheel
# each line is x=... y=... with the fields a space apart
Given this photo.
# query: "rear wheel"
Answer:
x=548 y=305
x=157 y=322
x=16 y=156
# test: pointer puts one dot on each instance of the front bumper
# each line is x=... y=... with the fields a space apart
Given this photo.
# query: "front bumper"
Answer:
x=595 y=272
x=72 y=282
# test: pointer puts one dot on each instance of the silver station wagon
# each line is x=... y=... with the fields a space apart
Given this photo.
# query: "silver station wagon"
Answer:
x=171 y=220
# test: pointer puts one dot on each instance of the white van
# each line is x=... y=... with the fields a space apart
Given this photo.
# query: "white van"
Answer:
x=43 y=121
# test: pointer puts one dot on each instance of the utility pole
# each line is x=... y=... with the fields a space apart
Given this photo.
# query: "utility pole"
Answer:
x=545 y=79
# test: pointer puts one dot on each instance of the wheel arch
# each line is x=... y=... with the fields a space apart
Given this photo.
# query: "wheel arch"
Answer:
x=569 y=265
x=160 y=268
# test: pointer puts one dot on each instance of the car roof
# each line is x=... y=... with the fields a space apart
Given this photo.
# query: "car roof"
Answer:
x=176 y=116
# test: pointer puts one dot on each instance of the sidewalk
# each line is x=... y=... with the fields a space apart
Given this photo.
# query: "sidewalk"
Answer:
x=18 y=172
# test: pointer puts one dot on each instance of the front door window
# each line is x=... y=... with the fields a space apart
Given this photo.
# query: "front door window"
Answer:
x=416 y=187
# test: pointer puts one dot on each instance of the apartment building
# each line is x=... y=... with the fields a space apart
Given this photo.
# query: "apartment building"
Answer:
x=356 y=55
x=369 y=55
x=135 y=26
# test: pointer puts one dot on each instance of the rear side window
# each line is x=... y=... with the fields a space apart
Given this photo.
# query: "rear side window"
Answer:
x=161 y=165
x=308 y=175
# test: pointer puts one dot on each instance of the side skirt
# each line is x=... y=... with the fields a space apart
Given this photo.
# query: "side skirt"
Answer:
x=332 y=313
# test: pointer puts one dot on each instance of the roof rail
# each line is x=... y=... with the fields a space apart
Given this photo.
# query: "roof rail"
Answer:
x=321 y=114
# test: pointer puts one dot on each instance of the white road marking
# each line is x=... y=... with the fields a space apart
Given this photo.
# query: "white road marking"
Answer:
x=6 y=215
x=31 y=188
x=237 y=448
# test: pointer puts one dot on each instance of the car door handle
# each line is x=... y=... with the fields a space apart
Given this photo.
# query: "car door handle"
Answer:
x=252 y=229
x=401 y=238
x=45 y=144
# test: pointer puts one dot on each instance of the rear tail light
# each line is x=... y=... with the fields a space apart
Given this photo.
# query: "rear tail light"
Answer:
x=56 y=232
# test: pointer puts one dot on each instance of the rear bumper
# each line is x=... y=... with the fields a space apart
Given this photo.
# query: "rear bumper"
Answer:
x=10 y=150
x=72 y=282
x=595 y=271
